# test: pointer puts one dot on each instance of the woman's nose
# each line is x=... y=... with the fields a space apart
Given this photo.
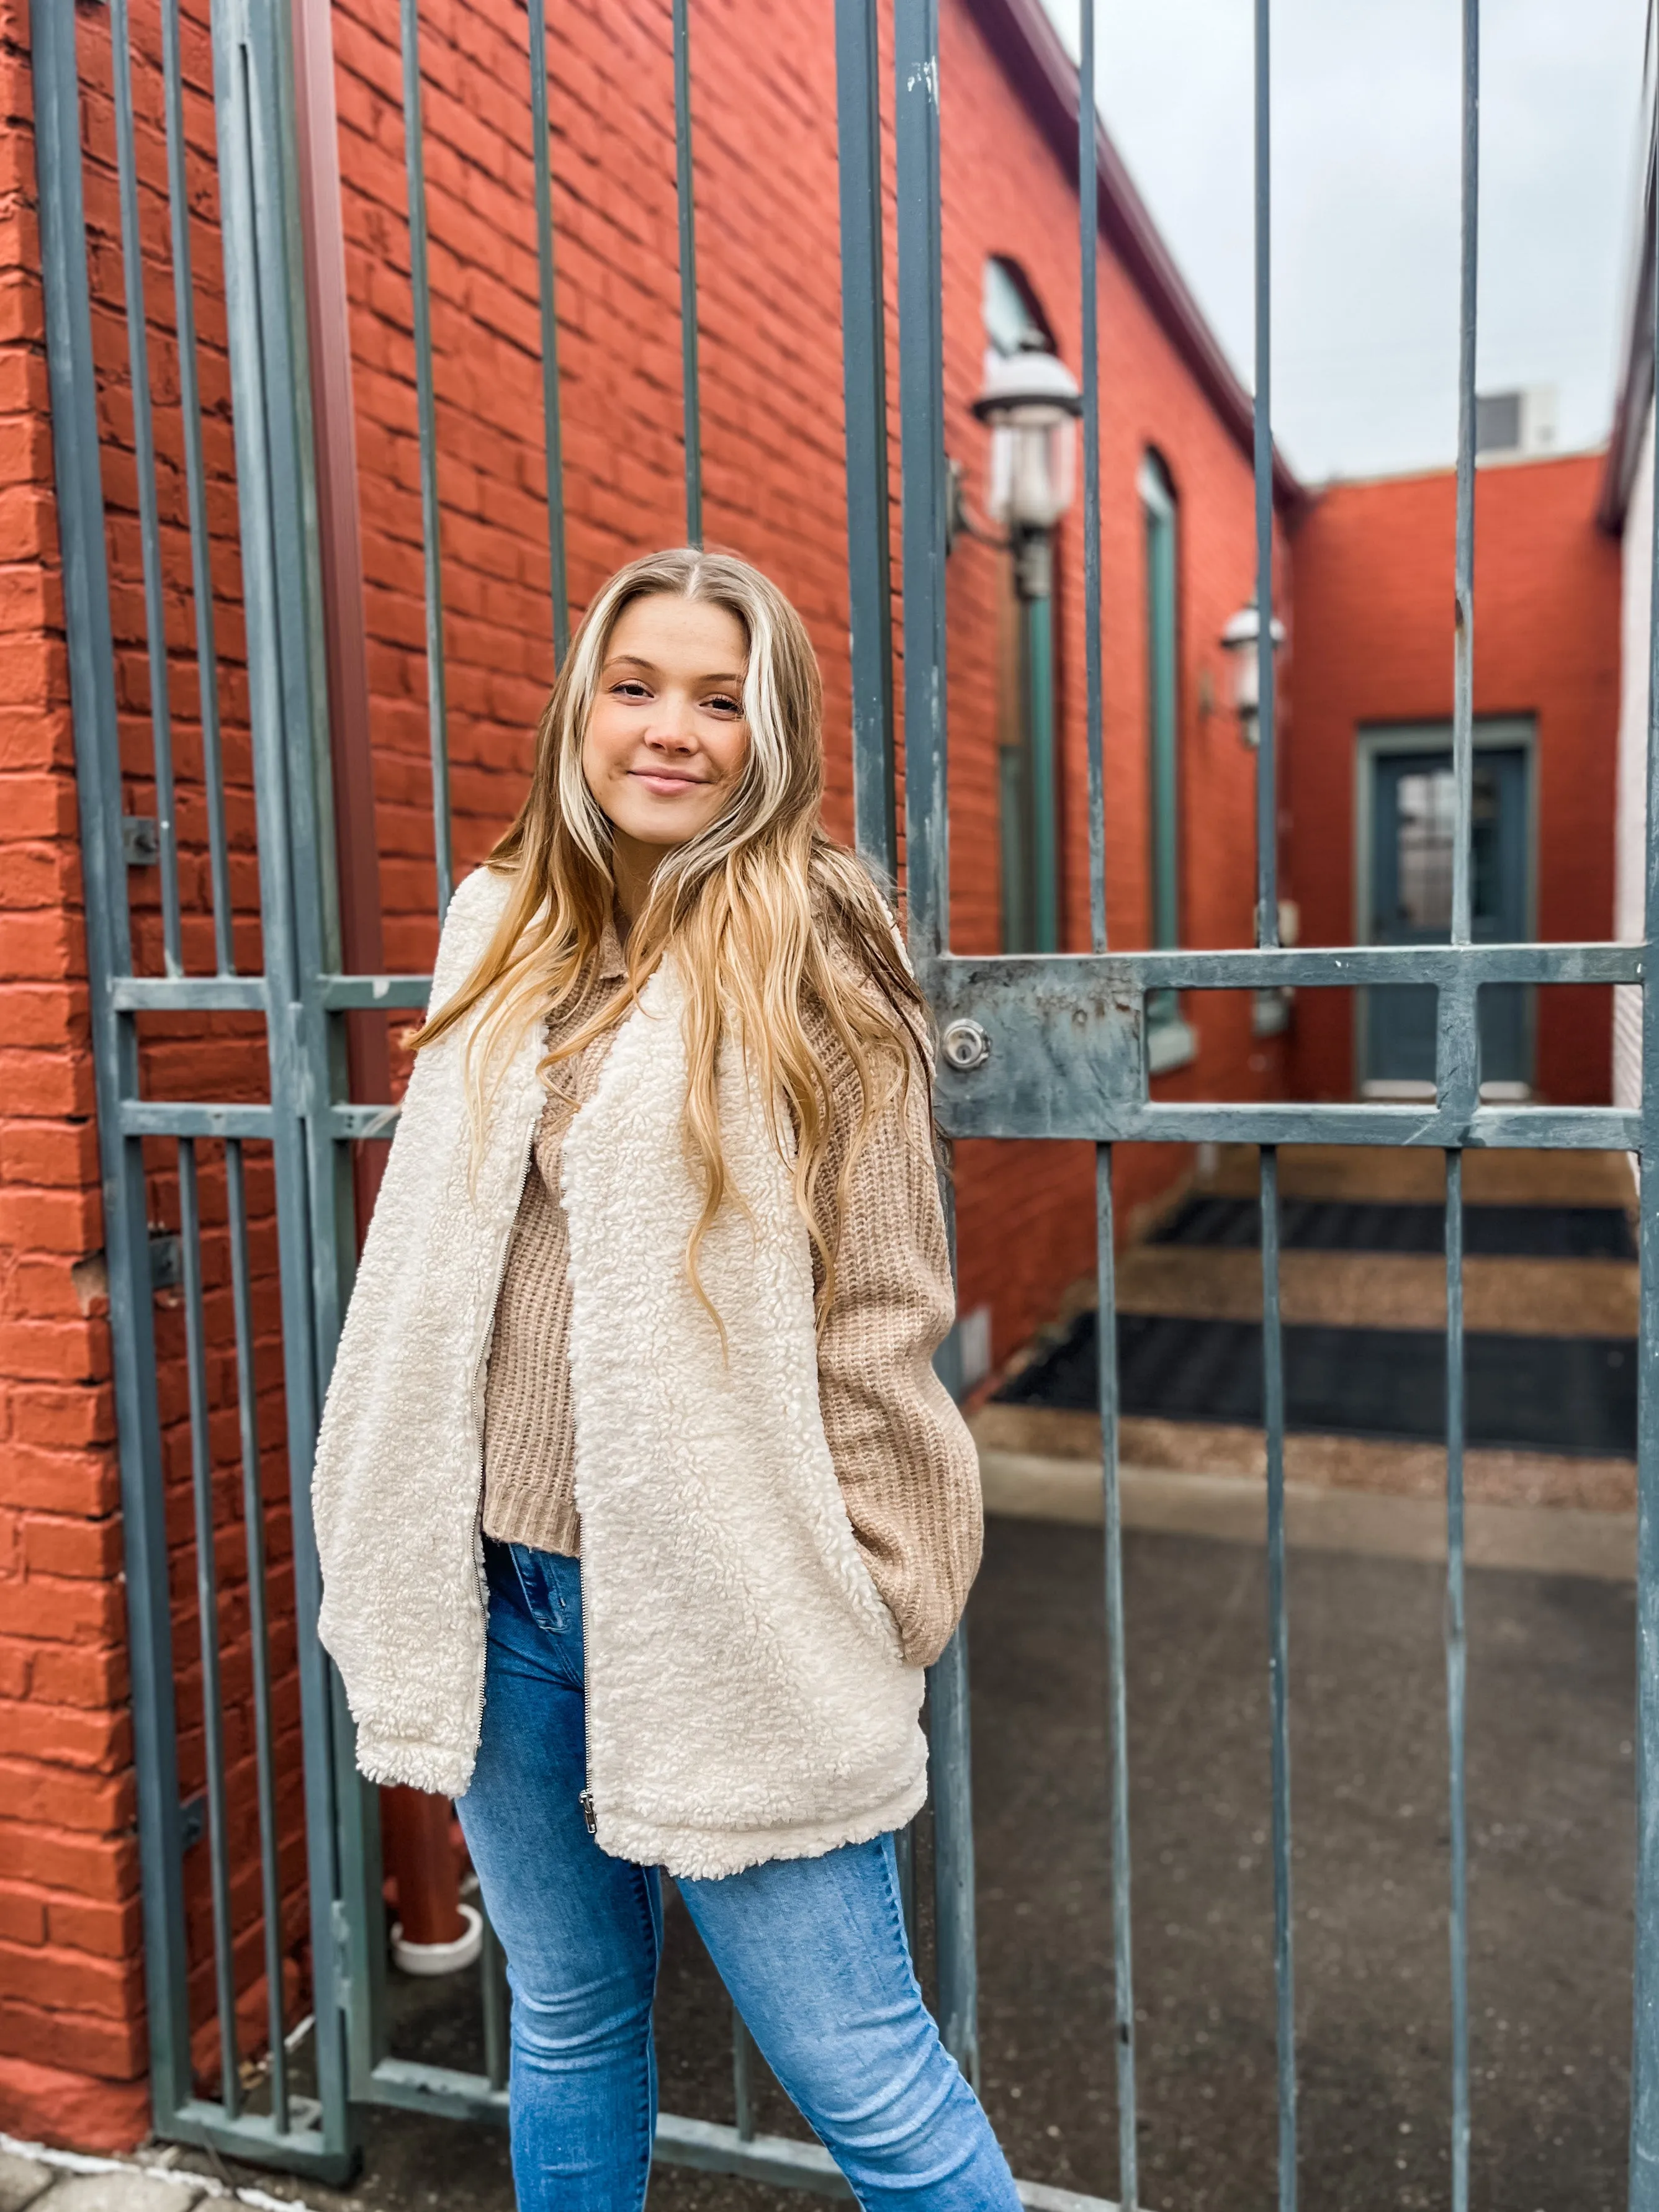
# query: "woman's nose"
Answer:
x=672 y=725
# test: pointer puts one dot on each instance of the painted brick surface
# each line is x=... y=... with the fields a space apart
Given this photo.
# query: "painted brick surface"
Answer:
x=1374 y=566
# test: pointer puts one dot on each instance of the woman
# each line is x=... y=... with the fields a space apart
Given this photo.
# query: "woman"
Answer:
x=640 y=1508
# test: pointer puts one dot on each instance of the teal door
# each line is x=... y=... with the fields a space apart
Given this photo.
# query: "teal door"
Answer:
x=1411 y=814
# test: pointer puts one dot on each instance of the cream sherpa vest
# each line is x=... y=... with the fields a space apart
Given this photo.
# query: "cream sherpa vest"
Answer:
x=746 y=1697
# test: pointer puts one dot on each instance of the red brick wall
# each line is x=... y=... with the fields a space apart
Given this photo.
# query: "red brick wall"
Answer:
x=71 y=2044
x=1374 y=645
x=71 y=2033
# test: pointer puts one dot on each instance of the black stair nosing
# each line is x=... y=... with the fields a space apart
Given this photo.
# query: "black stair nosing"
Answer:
x=1571 y=1395
x=1215 y=1221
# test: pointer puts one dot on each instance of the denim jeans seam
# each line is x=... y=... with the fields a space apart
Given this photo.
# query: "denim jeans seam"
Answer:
x=642 y=1899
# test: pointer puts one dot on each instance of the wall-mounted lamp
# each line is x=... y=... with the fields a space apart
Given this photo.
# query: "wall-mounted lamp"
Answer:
x=1030 y=402
x=1241 y=641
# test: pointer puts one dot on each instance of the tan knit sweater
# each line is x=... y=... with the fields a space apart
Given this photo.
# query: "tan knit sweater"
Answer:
x=909 y=1477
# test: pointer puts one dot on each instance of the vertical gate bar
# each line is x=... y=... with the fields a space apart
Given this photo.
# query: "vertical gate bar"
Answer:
x=1267 y=772
x=921 y=424
x=1273 y=1353
x=201 y=554
x=864 y=375
x=492 y=1961
x=264 y=317
x=743 y=2077
x=1456 y=1677
x=1644 y=2188
x=921 y=421
x=1088 y=193
x=1123 y=1993
x=542 y=138
x=953 y=1854
x=904 y=1854
x=1463 y=584
x=207 y=1609
x=253 y=1527
x=1123 y=1996
x=1458 y=1082
x=91 y=653
x=685 y=201
x=150 y=522
x=1267 y=934
x=420 y=287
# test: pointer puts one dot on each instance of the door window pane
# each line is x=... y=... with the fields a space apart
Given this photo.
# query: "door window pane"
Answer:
x=1426 y=817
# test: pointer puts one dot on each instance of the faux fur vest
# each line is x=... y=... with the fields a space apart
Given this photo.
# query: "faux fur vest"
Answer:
x=746 y=1697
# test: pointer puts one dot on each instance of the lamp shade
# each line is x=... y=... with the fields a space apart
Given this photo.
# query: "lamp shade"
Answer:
x=1030 y=402
x=1241 y=641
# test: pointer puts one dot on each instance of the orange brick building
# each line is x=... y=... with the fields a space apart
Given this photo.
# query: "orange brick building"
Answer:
x=1174 y=416
x=1373 y=690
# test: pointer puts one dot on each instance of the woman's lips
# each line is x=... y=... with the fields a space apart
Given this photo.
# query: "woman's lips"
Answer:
x=668 y=786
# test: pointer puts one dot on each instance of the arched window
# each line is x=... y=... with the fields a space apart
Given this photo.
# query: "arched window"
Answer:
x=1014 y=322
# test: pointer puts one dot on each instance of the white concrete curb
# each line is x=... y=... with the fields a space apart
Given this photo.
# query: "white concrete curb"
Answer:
x=202 y=2185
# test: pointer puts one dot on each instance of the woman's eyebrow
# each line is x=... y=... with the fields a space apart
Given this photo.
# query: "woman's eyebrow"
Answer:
x=732 y=681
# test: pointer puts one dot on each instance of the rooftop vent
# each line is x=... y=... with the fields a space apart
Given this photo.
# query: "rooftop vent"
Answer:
x=1515 y=423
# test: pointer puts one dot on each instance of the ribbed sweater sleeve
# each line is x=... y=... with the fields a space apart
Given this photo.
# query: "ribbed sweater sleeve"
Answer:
x=907 y=1466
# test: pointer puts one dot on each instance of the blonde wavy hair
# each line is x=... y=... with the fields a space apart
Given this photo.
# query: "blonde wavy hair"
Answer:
x=769 y=920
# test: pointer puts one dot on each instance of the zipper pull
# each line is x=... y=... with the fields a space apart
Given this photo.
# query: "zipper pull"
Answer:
x=585 y=1800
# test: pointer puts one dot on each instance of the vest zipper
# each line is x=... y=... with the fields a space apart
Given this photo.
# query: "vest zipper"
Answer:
x=585 y=1800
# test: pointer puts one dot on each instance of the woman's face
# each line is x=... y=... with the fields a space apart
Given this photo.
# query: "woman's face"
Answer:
x=667 y=740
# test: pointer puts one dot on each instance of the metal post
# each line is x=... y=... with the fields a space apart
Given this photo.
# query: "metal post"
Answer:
x=921 y=422
x=685 y=200
x=864 y=370
x=73 y=385
x=1037 y=626
x=1644 y=2053
x=558 y=581
x=1273 y=1349
x=269 y=393
x=426 y=412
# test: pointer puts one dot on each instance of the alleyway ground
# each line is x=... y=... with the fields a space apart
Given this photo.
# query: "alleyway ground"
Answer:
x=1550 y=1803
x=1551 y=1788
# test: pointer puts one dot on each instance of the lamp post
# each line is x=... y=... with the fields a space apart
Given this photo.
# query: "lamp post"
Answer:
x=1242 y=642
x=1030 y=402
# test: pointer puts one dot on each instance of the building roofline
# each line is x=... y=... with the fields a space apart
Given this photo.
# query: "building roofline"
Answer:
x=1036 y=63
x=1636 y=382
x=1427 y=472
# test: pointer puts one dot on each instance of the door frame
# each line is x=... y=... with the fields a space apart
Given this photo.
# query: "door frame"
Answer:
x=1375 y=741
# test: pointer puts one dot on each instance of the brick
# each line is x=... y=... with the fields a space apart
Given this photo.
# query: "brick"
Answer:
x=81 y=1549
x=62 y=2105
x=100 y=1866
x=64 y=1735
x=101 y=2042
x=78 y=1674
x=57 y=1797
x=22 y=1916
x=52 y=1609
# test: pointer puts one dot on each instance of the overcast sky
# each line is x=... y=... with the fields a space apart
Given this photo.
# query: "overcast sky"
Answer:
x=1365 y=178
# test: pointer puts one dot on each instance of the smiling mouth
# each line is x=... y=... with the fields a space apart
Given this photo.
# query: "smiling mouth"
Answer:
x=665 y=778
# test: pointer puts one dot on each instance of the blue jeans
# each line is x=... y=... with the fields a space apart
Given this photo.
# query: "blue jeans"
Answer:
x=812 y=1951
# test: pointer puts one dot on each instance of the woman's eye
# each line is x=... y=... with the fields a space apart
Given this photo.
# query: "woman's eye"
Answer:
x=723 y=703
x=630 y=689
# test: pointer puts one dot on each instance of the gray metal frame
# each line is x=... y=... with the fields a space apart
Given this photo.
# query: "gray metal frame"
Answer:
x=1067 y=1056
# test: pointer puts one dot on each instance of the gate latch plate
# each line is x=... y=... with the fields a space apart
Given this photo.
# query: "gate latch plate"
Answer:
x=1039 y=1045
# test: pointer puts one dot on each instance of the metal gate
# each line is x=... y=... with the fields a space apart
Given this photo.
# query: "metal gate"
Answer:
x=1048 y=1046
